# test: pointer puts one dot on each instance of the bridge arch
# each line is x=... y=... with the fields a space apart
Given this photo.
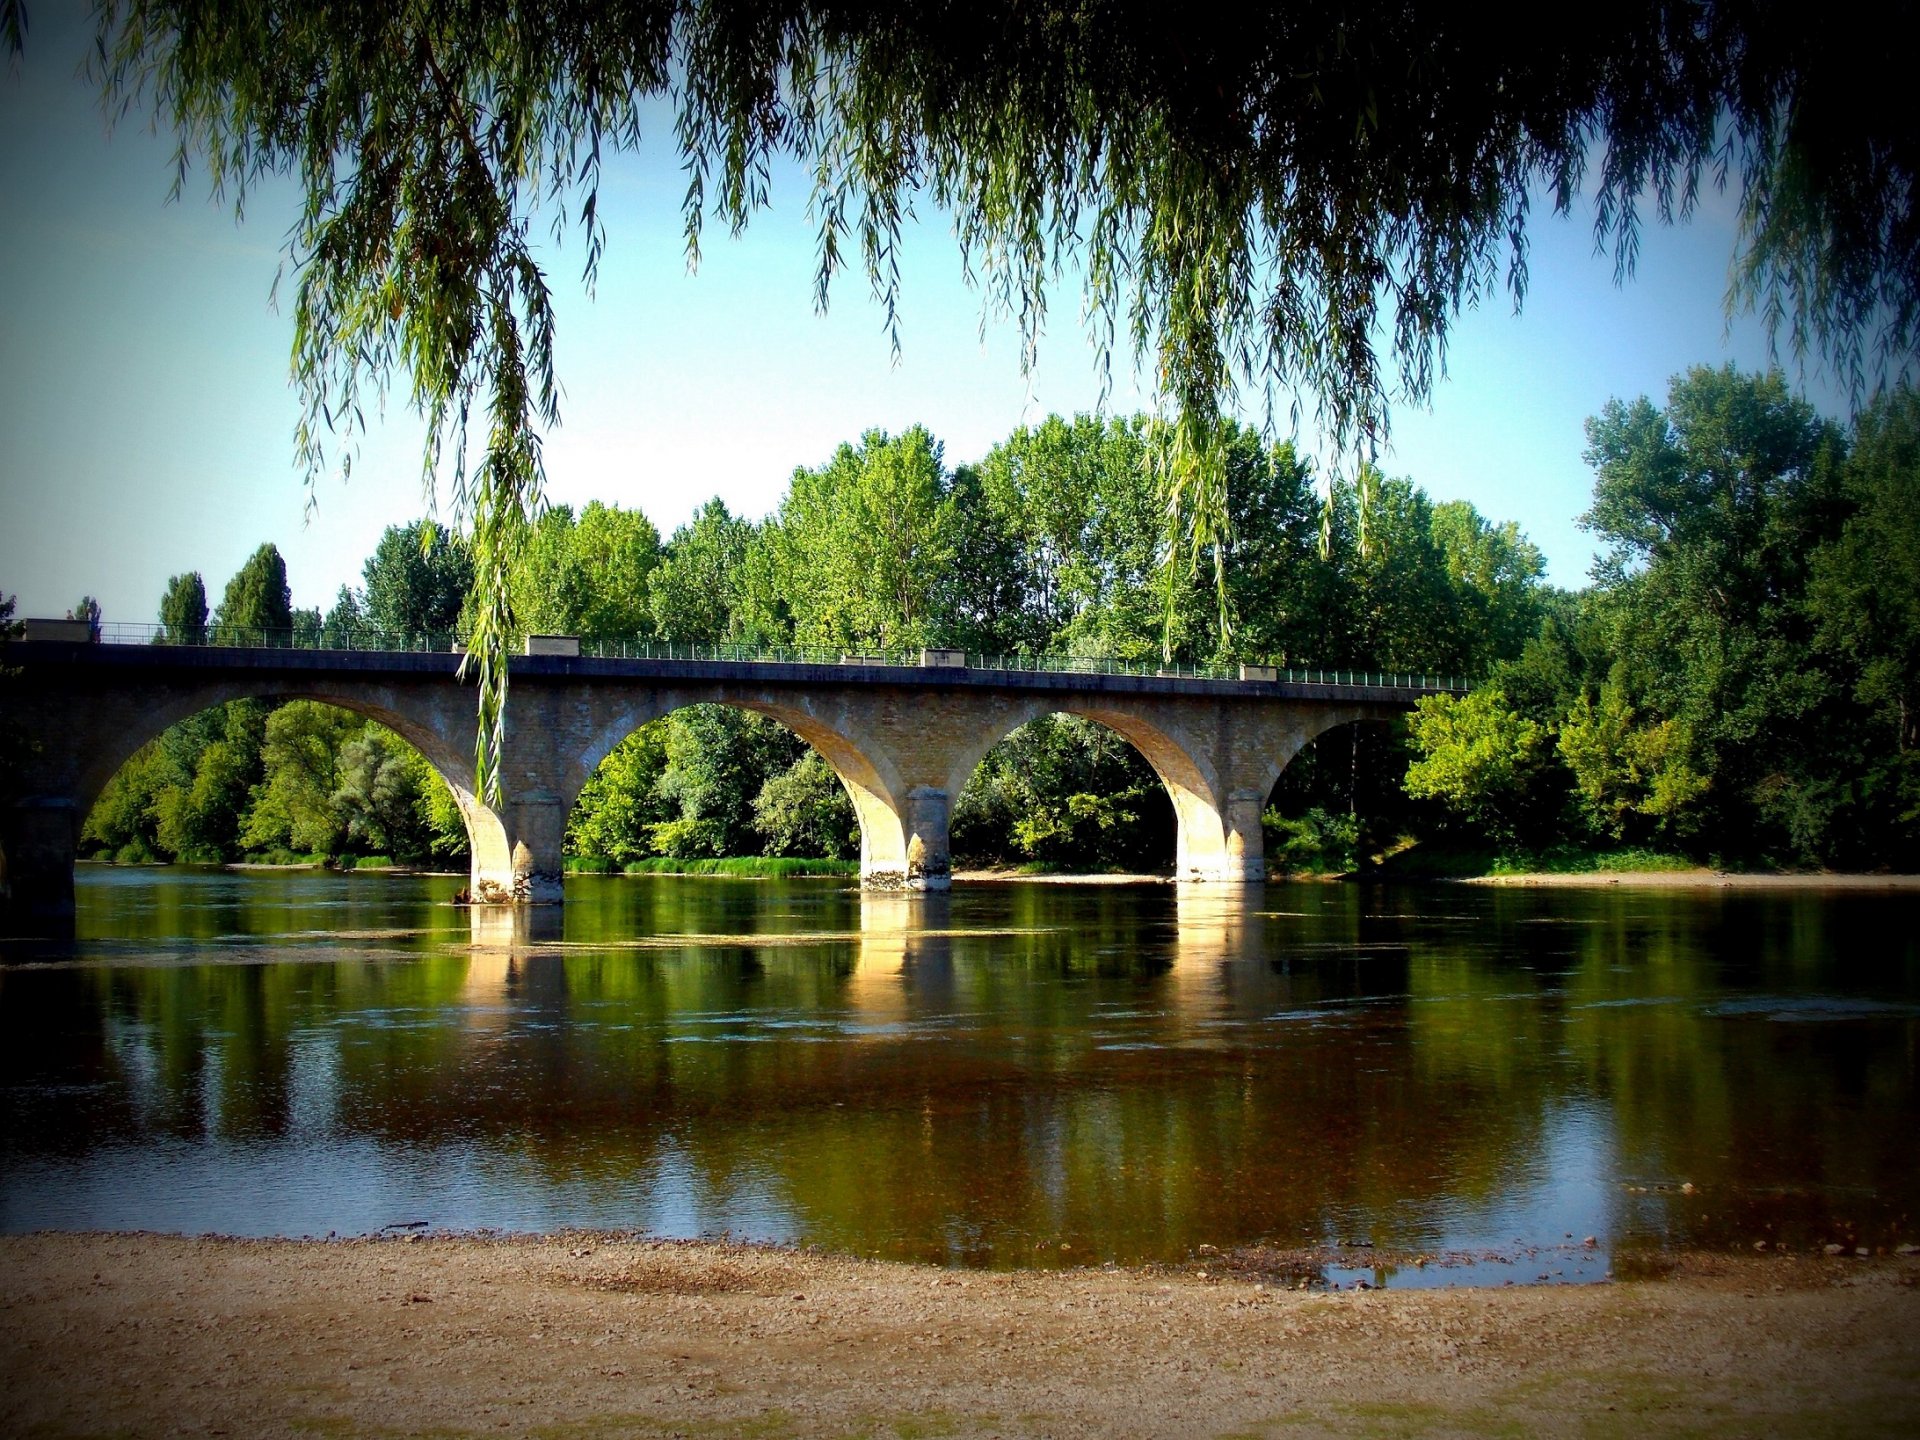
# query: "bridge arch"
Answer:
x=1074 y=752
x=1202 y=844
x=883 y=806
x=1308 y=731
x=451 y=760
x=95 y=753
x=1339 y=767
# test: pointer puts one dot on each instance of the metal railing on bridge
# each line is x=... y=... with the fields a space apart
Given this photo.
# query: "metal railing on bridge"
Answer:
x=364 y=639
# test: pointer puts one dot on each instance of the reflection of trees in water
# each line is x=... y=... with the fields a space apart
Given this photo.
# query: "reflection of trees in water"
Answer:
x=1129 y=1076
x=1760 y=1049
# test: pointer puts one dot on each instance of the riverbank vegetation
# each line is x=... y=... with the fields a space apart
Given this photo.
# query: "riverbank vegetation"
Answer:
x=776 y=867
x=1741 y=683
x=1738 y=684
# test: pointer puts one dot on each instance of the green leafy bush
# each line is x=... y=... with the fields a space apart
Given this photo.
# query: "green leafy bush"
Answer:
x=1316 y=843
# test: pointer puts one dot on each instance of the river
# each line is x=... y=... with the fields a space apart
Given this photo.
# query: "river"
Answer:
x=1015 y=1075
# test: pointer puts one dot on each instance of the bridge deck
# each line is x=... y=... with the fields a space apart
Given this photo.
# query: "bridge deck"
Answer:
x=149 y=660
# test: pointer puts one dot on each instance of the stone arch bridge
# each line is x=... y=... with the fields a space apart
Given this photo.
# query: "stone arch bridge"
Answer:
x=902 y=739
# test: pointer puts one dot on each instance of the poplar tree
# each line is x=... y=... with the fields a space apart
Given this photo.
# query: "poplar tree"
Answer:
x=258 y=600
x=183 y=609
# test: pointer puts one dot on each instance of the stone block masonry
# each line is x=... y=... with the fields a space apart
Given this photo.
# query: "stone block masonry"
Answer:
x=902 y=739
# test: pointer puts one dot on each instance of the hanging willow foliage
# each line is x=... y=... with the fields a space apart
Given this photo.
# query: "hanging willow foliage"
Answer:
x=1286 y=204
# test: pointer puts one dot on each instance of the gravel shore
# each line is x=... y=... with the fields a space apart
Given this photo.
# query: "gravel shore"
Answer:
x=587 y=1335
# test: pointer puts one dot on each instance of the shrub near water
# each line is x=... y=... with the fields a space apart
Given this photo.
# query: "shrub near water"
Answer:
x=1575 y=860
x=768 y=866
x=1316 y=843
x=751 y=865
x=1430 y=861
x=283 y=856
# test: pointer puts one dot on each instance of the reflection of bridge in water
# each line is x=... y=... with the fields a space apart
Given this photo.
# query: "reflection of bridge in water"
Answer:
x=902 y=951
x=903 y=740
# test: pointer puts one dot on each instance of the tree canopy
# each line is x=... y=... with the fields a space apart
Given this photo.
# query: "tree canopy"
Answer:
x=1289 y=203
x=258 y=597
x=416 y=582
x=183 y=609
x=1741 y=681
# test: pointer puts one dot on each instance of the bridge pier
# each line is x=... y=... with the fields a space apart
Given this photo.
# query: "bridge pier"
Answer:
x=1244 y=855
x=536 y=825
x=518 y=848
x=927 y=825
x=904 y=847
x=1219 y=845
x=516 y=856
x=39 y=841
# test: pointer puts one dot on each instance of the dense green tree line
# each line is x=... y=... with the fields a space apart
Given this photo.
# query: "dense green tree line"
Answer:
x=1051 y=543
x=1738 y=681
x=1742 y=680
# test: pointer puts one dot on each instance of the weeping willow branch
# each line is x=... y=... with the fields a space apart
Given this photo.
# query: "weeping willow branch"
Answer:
x=1290 y=205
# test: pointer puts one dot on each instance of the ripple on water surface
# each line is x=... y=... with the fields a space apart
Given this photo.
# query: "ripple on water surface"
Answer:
x=1010 y=1076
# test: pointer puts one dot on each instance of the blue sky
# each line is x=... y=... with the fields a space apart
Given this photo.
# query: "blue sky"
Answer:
x=146 y=415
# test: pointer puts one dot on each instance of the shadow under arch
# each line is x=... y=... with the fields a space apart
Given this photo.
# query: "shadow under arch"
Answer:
x=1351 y=765
x=450 y=756
x=1190 y=784
x=878 y=797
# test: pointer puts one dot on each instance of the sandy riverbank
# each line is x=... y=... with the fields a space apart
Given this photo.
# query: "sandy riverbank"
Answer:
x=583 y=1335
x=1701 y=879
x=1707 y=880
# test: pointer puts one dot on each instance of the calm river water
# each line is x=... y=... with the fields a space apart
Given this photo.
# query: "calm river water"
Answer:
x=1014 y=1075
